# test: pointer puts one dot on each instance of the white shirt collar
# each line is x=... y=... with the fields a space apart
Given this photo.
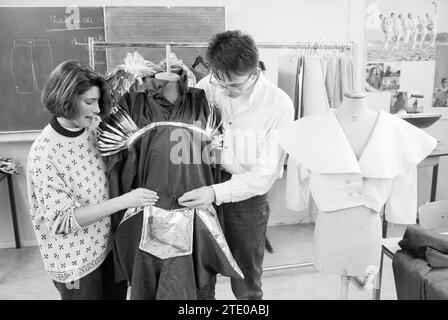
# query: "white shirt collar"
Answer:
x=249 y=102
x=318 y=143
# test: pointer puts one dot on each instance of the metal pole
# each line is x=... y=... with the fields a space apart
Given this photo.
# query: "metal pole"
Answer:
x=13 y=211
x=345 y=281
x=263 y=45
x=289 y=266
x=91 y=45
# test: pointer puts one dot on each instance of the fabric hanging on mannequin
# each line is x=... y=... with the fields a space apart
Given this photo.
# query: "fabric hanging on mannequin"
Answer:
x=135 y=141
x=314 y=93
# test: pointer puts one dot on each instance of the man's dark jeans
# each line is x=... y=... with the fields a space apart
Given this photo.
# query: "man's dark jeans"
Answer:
x=245 y=225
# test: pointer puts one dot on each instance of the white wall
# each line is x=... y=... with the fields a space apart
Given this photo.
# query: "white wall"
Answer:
x=266 y=21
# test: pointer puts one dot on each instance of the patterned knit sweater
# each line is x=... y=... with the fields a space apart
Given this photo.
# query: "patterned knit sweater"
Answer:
x=65 y=171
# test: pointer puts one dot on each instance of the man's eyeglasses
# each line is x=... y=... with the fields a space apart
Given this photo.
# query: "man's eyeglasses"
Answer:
x=235 y=87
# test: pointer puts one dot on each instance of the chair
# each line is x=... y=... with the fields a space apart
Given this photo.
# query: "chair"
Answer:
x=434 y=215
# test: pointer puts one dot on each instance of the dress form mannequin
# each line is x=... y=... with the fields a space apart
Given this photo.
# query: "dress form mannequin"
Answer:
x=356 y=119
x=356 y=225
x=172 y=89
x=352 y=162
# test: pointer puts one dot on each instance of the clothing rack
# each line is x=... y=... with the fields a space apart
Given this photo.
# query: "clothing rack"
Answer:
x=312 y=46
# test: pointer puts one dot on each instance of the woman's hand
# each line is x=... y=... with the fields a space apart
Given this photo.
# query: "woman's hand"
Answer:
x=140 y=197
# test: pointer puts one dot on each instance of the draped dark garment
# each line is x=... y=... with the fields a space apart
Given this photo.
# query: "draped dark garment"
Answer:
x=421 y=268
x=147 y=163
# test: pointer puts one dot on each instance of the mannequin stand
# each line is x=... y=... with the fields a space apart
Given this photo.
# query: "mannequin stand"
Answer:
x=345 y=281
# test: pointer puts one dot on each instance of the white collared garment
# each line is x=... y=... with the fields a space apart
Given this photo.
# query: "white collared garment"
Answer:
x=250 y=147
x=322 y=165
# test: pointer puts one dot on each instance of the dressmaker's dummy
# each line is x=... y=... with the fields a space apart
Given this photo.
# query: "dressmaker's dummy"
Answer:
x=165 y=251
x=348 y=241
x=171 y=90
x=352 y=161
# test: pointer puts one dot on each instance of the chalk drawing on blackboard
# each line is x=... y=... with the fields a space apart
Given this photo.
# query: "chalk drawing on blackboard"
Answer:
x=31 y=63
x=73 y=21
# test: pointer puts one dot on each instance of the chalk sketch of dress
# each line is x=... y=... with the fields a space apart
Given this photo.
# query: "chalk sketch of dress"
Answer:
x=31 y=63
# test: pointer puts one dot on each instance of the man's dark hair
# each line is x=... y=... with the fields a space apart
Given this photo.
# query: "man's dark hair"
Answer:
x=444 y=79
x=66 y=82
x=232 y=52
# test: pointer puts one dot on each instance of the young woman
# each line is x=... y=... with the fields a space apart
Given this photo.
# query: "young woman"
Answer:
x=68 y=188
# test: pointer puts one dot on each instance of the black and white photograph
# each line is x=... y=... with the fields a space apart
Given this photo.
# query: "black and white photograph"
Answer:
x=374 y=76
x=399 y=102
x=391 y=76
x=204 y=153
x=441 y=78
x=405 y=30
x=416 y=102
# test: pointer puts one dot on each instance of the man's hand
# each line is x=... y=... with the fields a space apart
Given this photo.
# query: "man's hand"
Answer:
x=200 y=198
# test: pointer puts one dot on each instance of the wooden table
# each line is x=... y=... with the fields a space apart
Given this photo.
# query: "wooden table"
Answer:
x=12 y=203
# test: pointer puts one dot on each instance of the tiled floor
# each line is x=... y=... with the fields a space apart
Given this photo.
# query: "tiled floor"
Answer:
x=22 y=275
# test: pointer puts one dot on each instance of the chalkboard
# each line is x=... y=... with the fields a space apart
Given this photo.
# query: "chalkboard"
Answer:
x=158 y=24
x=35 y=40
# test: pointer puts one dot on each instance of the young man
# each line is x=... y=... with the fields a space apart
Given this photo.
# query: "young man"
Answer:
x=252 y=109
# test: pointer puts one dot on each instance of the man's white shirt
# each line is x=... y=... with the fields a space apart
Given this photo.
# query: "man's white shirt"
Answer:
x=251 y=152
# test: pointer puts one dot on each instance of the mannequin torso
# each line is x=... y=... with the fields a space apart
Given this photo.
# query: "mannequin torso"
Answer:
x=357 y=121
x=341 y=233
x=171 y=91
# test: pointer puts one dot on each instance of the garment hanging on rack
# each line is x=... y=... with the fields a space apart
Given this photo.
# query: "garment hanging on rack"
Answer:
x=314 y=93
x=199 y=68
x=330 y=81
x=298 y=90
x=346 y=72
x=158 y=263
x=299 y=75
x=287 y=74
